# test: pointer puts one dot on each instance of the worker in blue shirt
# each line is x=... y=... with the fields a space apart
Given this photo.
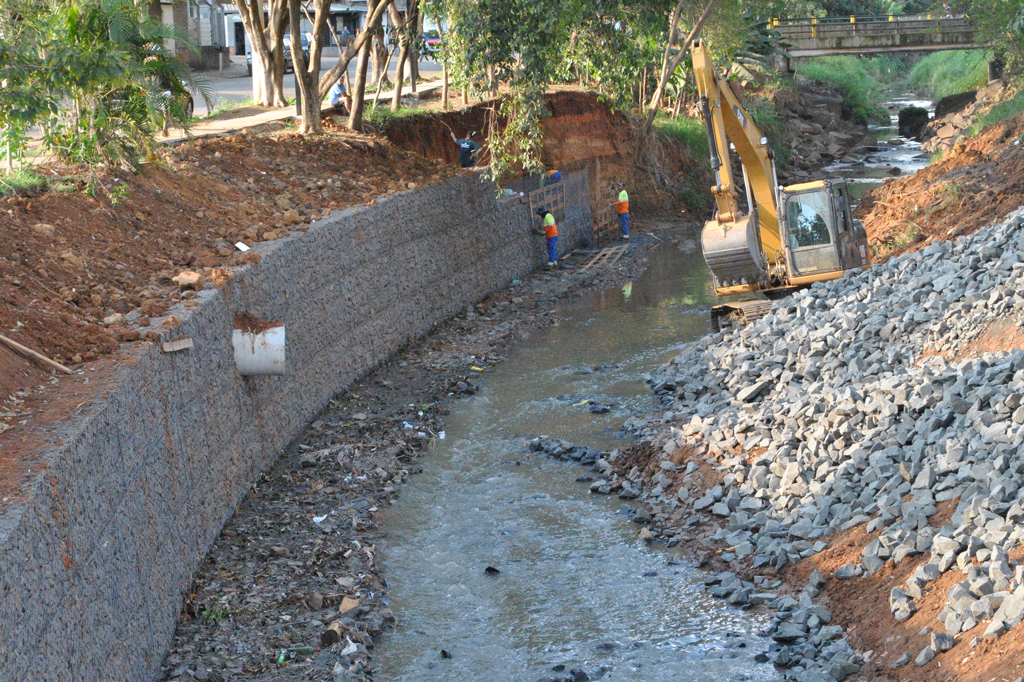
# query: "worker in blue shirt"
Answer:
x=468 y=149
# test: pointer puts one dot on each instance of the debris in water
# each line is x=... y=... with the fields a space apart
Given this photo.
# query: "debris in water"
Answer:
x=445 y=654
x=492 y=570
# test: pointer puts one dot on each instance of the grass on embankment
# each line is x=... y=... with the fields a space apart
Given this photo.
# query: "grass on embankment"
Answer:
x=20 y=181
x=1002 y=111
x=941 y=74
x=691 y=134
x=861 y=90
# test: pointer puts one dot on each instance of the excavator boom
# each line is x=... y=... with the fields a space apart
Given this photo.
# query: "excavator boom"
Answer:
x=787 y=237
x=741 y=248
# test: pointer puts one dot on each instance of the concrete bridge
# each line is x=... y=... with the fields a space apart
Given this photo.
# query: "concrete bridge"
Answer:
x=817 y=37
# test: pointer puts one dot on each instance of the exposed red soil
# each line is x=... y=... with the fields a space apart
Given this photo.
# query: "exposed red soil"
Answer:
x=1001 y=334
x=582 y=132
x=978 y=182
x=247 y=322
x=84 y=272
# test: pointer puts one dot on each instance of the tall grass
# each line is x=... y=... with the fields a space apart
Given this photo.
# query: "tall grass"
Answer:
x=692 y=190
x=861 y=91
x=1001 y=111
x=941 y=74
x=689 y=131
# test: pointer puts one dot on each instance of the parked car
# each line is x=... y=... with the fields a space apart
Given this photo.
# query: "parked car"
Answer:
x=288 y=66
x=431 y=41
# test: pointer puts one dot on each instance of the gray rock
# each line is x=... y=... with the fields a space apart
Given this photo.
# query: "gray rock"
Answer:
x=750 y=393
x=845 y=572
x=789 y=632
x=941 y=642
x=925 y=657
x=901 y=661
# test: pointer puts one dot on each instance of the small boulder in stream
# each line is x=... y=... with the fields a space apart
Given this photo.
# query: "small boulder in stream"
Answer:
x=912 y=122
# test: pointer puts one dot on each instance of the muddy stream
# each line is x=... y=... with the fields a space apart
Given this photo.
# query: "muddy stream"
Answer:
x=576 y=587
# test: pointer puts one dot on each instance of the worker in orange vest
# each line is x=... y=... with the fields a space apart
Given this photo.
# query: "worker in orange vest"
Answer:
x=622 y=206
x=551 y=233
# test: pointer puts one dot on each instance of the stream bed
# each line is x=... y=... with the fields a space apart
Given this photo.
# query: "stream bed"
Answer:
x=576 y=591
x=576 y=588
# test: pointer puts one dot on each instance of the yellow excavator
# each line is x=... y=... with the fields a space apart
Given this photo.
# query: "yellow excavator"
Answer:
x=790 y=236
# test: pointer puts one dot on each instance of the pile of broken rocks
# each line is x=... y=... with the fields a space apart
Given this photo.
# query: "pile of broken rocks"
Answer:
x=843 y=407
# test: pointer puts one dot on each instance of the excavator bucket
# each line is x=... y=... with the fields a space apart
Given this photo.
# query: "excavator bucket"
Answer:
x=733 y=253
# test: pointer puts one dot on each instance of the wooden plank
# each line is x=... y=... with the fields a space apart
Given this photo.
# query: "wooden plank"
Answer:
x=606 y=257
x=31 y=353
x=175 y=346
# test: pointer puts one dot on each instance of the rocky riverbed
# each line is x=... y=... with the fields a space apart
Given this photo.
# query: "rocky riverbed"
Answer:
x=872 y=425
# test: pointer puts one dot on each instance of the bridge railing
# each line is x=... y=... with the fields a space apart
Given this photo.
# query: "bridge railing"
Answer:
x=836 y=27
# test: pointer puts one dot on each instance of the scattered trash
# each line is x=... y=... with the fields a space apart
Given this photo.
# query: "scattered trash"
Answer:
x=477 y=369
x=627 y=289
x=320 y=519
x=440 y=435
x=350 y=649
x=347 y=604
x=332 y=634
x=492 y=570
x=408 y=425
x=241 y=247
x=445 y=654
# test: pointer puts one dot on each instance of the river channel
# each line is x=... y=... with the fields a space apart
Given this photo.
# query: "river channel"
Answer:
x=576 y=589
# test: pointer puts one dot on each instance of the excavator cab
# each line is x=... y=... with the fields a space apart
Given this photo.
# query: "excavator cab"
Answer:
x=820 y=236
x=783 y=238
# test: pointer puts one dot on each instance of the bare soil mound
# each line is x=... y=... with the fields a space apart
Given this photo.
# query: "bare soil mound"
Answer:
x=978 y=182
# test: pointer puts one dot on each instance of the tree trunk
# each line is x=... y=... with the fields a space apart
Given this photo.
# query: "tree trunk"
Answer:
x=341 y=66
x=358 y=91
x=444 y=86
x=667 y=67
x=465 y=95
x=416 y=25
x=383 y=75
x=312 y=122
x=396 y=97
x=379 y=52
x=266 y=40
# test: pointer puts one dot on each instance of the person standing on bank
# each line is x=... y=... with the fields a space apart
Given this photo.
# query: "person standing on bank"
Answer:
x=622 y=205
x=468 y=149
x=551 y=233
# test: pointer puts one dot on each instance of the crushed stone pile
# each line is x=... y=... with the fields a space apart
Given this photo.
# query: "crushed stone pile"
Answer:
x=833 y=411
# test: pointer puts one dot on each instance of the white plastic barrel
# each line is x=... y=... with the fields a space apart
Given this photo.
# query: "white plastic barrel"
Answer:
x=259 y=354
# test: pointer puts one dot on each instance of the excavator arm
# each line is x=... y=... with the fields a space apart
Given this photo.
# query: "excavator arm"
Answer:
x=740 y=248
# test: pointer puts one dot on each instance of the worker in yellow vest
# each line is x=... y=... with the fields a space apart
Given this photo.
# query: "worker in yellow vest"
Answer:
x=551 y=233
x=622 y=206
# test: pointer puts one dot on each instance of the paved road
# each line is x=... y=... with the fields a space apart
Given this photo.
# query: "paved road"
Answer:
x=235 y=85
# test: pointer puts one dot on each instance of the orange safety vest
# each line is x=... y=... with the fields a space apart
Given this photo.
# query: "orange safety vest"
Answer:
x=623 y=202
x=550 y=229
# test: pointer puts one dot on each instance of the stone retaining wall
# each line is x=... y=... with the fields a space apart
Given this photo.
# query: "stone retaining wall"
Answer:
x=94 y=565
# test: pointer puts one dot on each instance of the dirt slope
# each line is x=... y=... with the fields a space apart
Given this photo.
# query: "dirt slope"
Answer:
x=979 y=181
x=582 y=132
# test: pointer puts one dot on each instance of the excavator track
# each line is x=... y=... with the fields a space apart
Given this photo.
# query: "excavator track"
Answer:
x=738 y=313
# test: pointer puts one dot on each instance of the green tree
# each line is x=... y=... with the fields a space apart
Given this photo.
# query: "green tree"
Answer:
x=104 y=61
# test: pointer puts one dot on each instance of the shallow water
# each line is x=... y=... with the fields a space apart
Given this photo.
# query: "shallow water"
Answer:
x=576 y=587
x=908 y=157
